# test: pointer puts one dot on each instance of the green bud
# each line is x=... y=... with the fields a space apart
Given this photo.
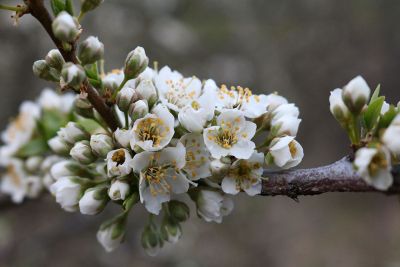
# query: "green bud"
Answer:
x=42 y=70
x=178 y=210
x=125 y=97
x=138 y=110
x=55 y=60
x=65 y=27
x=72 y=75
x=88 y=5
x=90 y=50
x=171 y=231
x=151 y=241
x=136 y=62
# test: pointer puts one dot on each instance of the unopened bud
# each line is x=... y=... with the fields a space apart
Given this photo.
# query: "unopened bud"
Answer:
x=42 y=70
x=219 y=168
x=171 y=231
x=59 y=145
x=178 y=210
x=356 y=94
x=125 y=97
x=151 y=241
x=90 y=50
x=101 y=144
x=111 y=233
x=119 y=190
x=123 y=137
x=55 y=60
x=73 y=133
x=33 y=164
x=93 y=200
x=82 y=152
x=146 y=90
x=138 y=110
x=83 y=108
x=65 y=27
x=88 y=5
x=136 y=62
x=338 y=108
x=73 y=75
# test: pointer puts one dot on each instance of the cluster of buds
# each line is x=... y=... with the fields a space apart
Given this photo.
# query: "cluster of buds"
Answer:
x=373 y=127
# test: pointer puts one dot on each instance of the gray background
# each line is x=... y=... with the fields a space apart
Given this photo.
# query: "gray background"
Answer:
x=302 y=49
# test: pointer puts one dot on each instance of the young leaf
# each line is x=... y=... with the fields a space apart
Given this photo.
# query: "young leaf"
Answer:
x=387 y=118
x=375 y=95
x=57 y=6
x=372 y=113
x=35 y=147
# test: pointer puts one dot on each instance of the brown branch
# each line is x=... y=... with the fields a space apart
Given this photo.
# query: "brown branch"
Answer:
x=337 y=177
x=37 y=9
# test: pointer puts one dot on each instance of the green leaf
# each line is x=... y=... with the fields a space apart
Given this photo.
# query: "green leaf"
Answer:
x=61 y=5
x=35 y=147
x=372 y=113
x=69 y=7
x=387 y=118
x=89 y=125
x=375 y=95
x=52 y=120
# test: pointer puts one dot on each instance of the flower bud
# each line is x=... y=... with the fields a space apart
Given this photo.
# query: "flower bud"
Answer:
x=93 y=200
x=356 y=94
x=285 y=152
x=101 y=144
x=83 y=108
x=55 y=60
x=285 y=125
x=125 y=97
x=338 y=108
x=138 y=110
x=90 y=50
x=123 y=137
x=136 y=62
x=118 y=163
x=33 y=164
x=213 y=205
x=66 y=168
x=151 y=241
x=59 y=145
x=391 y=136
x=119 y=190
x=42 y=70
x=82 y=152
x=274 y=100
x=65 y=27
x=88 y=5
x=171 y=231
x=72 y=75
x=73 y=133
x=67 y=191
x=146 y=90
x=179 y=211
x=111 y=234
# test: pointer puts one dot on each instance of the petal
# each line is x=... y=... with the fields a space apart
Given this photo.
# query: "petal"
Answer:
x=243 y=149
x=254 y=189
x=229 y=186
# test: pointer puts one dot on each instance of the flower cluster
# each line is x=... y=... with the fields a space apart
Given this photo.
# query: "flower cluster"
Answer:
x=177 y=135
x=373 y=127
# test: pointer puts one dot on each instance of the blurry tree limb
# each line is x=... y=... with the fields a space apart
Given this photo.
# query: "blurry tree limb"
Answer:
x=337 y=177
x=38 y=10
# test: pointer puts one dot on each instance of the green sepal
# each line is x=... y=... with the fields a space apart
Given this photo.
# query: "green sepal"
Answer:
x=373 y=112
x=58 y=6
x=387 y=118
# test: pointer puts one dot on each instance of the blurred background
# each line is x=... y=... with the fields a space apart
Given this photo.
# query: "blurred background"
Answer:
x=302 y=49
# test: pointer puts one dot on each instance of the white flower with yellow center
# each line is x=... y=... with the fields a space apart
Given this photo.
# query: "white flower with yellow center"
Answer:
x=154 y=131
x=160 y=176
x=14 y=181
x=285 y=152
x=231 y=137
x=174 y=90
x=373 y=165
x=194 y=116
x=118 y=162
x=253 y=106
x=198 y=163
x=244 y=175
x=49 y=99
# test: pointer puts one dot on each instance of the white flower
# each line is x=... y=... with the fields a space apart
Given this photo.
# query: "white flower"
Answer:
x=67 y=191
x=245 y=175
x=286 y=110
x=286 y=124
x=174 y=90
x=13 y=182
x=146 y=90
x=119 y=190
x=356 y=94
x=123 y=137
x=49 y=99
x=118 y=162
x=113 y=79
x=232 y=136
x=34 y=186
x=385 y=107
x=337 y=106
x=213 y=205
x=391 y=136
x=253 y=106
x=107 y=237
x=160 y=175
x=93 y=200
x=373 y=165
x=197 y=113
x=274 y=100
x=154 y=131
x=286 y=152
x=197 y=157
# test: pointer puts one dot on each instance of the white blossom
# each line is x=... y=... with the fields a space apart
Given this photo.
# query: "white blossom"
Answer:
x=118 y=163
x=67 y=192
x=197 y=157
x=274 y=100
x=160 y=175
x=123 y=137
x=374 y=165
x=286 y=152
x=13 y=182
x=154 y=131
x=49 y=99
x=391 y=136
x=245 y=174
x=119 y=190
x=285 y=125
x=232 y=136
x=213 y=205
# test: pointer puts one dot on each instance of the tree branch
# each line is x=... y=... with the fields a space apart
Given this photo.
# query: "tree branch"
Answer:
x=37 y=9
x=337 y=177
